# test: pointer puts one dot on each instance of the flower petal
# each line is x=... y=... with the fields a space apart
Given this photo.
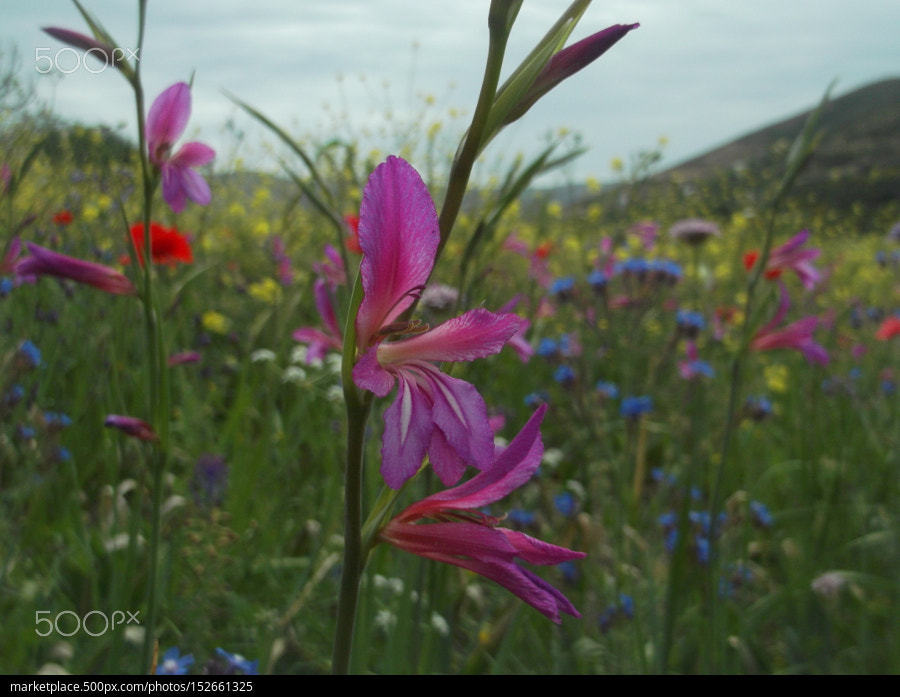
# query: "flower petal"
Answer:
x=512 y=468
x=167 y=119
x=475 y=334
x=399 y=236
x=193 y=155
x=461 y=415
x=407 y=432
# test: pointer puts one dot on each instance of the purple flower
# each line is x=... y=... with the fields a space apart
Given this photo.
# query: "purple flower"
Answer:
x=210 y=481
x=432 y=413
x=797 y=335
x=132 y=426
x=166 y=121
x=44 y=262
x=317 y=340
x=100 y=50
x=566 y=63
x=465 y=537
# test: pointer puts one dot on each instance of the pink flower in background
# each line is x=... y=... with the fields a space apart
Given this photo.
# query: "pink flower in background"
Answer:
x=790 y=256
x=44 y=262
x=464 y=536
x=797 y=335
x=166 y=121
x=433 y=413
x=132 y=426
x=318 y=341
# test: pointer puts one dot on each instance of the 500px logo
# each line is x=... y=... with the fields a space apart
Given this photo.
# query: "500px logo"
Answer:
x=67 y=60
x=95 y=623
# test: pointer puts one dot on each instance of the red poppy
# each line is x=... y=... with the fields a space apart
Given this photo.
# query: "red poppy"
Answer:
x=543 y=250
x=888 y=329
x=64 y=217
x=167 y=245
x=353 y=241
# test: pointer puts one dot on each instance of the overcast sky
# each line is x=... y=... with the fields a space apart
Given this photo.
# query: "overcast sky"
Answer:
x=698 y=72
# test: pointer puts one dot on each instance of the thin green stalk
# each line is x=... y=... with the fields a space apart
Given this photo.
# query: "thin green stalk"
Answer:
x=498 y=26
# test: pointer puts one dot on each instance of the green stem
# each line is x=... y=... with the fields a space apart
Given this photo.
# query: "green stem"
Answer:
x=354 y=555
x=461 y=171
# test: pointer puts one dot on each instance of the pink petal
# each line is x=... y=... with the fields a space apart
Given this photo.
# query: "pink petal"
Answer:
x=475 y=334
x=407 y=433
x=399 y=235
x=461 y=415
x=167 y=119
x=369 y=375
x=446 y=462
x=510 y=470
x=193 y=155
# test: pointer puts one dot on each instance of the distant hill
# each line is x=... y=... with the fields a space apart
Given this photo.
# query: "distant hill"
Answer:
x=858 y=159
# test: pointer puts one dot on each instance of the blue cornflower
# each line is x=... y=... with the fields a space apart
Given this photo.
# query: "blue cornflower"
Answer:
x=13 y=396
x=564 y=375
x=547 y=348
x=626 y=605
x=29 y=354
x=173 y=663
x=632 y=407
x=758 y=408
x=6 y=287
x=63 y=454
x=690 y=323
x=236 y=662
x=702 y=546
x=760 y=514
x=535 y=399
x=565 y=503
x=597 y=280
x=56 y=420
x=521 y=518
x=25 y=432
x=607 y=389
x=562 y=287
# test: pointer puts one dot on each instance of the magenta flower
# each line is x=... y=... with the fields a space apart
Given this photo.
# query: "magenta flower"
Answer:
x=166 y=121
x=44 y=262
x=567 y=62
x=318 y=341
x=132 y=426
x=791 y=256
x=102 y=51
x=797 y=335
x=8 y=262
x=466 y=537
x=432 y=413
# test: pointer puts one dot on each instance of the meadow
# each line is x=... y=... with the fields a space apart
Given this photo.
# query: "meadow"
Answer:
x=718 y=362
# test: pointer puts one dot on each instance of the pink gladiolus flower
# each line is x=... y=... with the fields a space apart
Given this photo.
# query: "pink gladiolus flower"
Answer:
x=433 y=413
x=131 y=426
x=466 y=537
x=567 y=62
x=44 y=262
x=790 y=257
x=109 y=55
x=797 y=335
x=317 y=340
x=166 y=121
x=183 y=358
